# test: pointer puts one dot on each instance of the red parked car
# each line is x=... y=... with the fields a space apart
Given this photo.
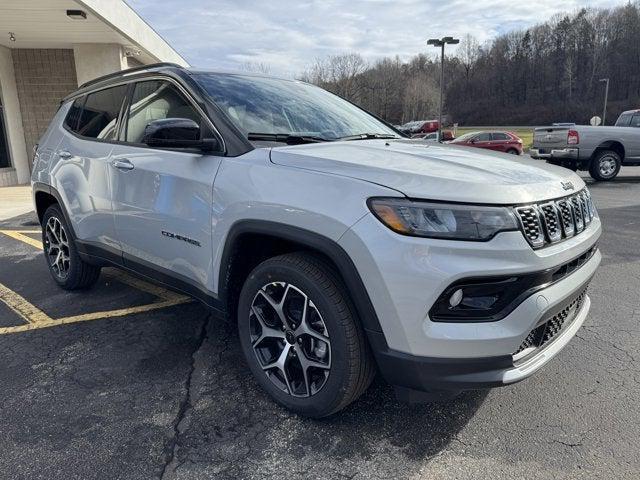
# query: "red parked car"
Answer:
x=500 y=141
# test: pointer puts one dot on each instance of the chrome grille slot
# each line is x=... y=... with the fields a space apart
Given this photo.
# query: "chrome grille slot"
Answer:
x=566 y=214
x=551 y=221
x=578 y=213
x=531 y=227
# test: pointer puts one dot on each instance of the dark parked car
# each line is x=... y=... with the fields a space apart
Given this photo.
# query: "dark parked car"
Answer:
x=500 y=141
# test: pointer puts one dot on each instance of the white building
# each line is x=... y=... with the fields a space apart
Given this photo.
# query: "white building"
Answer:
x=47 y=49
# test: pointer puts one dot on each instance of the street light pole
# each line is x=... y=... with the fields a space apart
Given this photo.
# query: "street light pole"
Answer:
x=606 y=96
x=441 y=43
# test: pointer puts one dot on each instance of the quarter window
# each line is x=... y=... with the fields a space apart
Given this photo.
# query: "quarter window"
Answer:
x=99 y=115
x=73 y=116
x=156 y=100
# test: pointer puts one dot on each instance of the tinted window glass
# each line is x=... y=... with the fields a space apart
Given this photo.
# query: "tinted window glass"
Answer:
x=623 y=120
x=635 y=121
x=74 y=114
x=100 y=113
x=500 y=136
x=156 y=100
x=483 y=137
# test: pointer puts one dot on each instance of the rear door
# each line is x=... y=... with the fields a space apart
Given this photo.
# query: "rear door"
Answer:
x=163 y=198
x=80 y=171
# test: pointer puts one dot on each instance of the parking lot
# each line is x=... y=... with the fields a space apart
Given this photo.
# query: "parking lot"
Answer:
x=129 y=380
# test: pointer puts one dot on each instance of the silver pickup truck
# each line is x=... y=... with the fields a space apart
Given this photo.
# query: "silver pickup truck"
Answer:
x=600 y=150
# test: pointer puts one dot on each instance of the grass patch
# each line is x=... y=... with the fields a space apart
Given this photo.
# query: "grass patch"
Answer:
x=525 y=133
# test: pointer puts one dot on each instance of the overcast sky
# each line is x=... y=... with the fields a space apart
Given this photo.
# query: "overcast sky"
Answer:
x=288 y=35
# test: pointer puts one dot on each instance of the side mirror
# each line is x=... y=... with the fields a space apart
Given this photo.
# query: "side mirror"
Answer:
x=176 y=133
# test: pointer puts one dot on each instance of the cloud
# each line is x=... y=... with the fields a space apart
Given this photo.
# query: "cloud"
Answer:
x=289 y=35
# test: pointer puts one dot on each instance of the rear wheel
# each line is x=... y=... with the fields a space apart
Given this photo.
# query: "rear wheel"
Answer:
x=65 y=265
x=605 y=165
x=300 y=336
x=513 y=151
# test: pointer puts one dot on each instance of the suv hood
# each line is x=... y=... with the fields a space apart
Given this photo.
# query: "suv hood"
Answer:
x=428 y=170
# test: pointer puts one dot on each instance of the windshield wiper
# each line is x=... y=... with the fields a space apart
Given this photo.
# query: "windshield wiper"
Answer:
x=368 y=136
x=288 y=138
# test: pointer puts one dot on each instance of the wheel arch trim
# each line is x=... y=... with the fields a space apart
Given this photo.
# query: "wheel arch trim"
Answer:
x=314 y=241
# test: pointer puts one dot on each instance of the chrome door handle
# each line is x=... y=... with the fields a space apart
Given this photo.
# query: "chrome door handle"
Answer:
x=122 y=164
x=63 y=154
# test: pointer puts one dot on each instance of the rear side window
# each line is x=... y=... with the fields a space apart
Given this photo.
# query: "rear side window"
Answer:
x=500 y=136
x=100 y=113
x=623 y=120
x=73 y=116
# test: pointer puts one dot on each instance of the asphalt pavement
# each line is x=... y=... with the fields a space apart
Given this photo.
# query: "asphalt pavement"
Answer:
x=130 y=381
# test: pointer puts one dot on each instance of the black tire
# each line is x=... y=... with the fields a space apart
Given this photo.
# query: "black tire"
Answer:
x=513 y=151
x=77 y=274
x=605 y=165
x=351 y=364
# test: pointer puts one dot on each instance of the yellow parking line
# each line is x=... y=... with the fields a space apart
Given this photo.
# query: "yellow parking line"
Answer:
x=92 y=316
x=22 y=307
x=36 y=318
x=19 y=235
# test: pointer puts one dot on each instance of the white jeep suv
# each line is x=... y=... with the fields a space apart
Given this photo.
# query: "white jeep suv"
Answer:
x=340 y=247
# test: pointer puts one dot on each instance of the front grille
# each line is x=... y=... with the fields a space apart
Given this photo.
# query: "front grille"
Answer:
x=550 y=222
x=550 y=328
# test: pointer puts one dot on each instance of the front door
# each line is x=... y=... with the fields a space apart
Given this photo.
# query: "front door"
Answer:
x=162 y=199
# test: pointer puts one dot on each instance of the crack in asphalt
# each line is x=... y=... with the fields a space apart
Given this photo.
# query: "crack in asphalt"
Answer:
x=170 y=458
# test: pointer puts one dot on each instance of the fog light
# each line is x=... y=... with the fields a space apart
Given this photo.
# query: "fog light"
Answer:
x=456 y=298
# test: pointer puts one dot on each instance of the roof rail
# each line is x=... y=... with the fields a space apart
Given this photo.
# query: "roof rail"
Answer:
x=128 y=70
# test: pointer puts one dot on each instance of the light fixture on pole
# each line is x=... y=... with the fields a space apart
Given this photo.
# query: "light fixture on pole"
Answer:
x=441 y=43
x=606 y=96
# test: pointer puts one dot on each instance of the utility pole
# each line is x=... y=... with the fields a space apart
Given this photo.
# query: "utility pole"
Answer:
x=606 y=96
x=441 y=43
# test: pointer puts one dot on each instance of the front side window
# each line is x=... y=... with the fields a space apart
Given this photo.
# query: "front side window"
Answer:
x=156 y=100
x=99 y=115
x=635 y=120
x=260 y=105
x=483 y=137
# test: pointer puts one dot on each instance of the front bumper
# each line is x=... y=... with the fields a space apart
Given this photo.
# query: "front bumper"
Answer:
x=405 y=275
x=555 y=153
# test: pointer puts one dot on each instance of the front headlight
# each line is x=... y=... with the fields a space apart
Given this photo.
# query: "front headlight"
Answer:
x=442 y=220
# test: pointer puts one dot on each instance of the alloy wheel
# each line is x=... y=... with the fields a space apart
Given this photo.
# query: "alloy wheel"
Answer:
x=290 y=339
x=56 y=246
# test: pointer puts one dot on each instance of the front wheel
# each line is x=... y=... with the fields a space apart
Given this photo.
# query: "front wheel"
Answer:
x=300 y=336
x=605 y=165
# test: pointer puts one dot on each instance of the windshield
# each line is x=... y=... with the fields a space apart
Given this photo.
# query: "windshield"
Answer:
x=259 y=105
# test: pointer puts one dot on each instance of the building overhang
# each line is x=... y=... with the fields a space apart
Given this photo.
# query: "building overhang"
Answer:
x=46 y=24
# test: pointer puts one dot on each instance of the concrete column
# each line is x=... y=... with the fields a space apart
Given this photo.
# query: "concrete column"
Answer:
x=96 y=59
x=13 y=116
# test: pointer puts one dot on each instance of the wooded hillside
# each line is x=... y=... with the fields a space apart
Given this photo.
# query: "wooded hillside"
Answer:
x=547 y=73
